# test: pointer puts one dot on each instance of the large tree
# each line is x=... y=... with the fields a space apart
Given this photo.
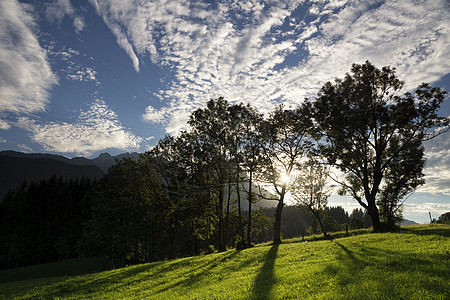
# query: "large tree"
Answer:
x=210 y=128
x=375 y=135
x=286 y=140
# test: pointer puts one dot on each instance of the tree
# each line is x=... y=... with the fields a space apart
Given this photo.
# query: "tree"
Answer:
x=251 y=156
x=41 y=221
x=357 y=218
x=286 y=140
x=444 y=218
x=309 y=190
x=243 y=126
x=209 y=127
x=339 y=214
x=375 y=136
x=185 y=176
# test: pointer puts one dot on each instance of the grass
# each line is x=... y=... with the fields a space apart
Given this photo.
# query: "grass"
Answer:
x=411 y=264
x=57 y=269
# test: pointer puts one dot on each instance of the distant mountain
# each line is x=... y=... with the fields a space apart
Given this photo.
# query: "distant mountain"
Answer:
x=408 y=222
x=105 y=160
x=15 y=167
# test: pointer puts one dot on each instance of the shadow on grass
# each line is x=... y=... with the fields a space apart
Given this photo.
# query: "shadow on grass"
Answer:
x=265 y=279
x=194 y=276
x=380 y=270
x=435 y=229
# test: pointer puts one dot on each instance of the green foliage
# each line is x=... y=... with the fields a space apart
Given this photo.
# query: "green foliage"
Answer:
x=186 y=194
x=412 y=264
x=375 y=136
x=444 y=218
x=286 y=140
x=330 y=224
x=138 y=215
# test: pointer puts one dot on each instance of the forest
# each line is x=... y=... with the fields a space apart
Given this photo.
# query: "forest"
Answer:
x=198 y=192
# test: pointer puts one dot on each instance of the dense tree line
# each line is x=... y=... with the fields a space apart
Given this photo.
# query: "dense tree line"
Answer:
x=42 y=221
x=186 y=195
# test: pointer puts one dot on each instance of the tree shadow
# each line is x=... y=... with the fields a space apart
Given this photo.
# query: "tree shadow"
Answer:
x=265 y=280
x=355 y=262
x=435 y=229
x=196 y=275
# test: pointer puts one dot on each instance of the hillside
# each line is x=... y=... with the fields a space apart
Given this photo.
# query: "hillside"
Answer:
x=412 y=264
x=17 y=166
x=16 y=169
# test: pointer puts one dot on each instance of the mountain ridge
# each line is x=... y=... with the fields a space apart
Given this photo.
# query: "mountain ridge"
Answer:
x=16 y=167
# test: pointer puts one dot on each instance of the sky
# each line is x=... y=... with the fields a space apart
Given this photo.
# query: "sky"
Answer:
x=78 y=78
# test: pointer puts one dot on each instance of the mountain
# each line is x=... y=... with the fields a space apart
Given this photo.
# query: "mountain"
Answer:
x=17 y=166
x=408 y=222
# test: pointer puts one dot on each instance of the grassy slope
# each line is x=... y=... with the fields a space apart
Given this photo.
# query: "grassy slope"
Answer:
x=413 y=264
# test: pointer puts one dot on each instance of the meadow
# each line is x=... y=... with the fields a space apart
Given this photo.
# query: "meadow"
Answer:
x=410 y=264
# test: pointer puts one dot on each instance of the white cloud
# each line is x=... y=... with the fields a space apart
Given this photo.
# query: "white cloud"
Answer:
x=96 y=129
x=437 y=167
x=2 y=140
x=25 y=147
x=153 y=115
x=79 y=24
x=58 y=9
x=114 y=14
x=419 y=212
x=237 y=50
x=4 y=125
x=80 y=73
x=25 y=74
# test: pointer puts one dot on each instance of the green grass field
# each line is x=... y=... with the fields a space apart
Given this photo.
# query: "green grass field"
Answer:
x=412 y=264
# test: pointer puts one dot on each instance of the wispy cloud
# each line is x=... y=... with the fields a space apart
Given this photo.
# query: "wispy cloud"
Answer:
x=239 y=49
x=116 y=15
x=58 y=9
x=25 y=74
x=4 y=125
x=437 y=167
x=96 y=129
x=420 y=211
x=3 y=140
x=25 y=147
x=73 y=64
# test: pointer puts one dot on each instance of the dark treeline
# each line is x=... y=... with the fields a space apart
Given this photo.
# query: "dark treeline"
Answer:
x=57 y=219
x=42 y=221
x=187 y=195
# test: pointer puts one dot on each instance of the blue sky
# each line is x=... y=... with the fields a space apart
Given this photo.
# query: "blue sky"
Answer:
x=79 y=78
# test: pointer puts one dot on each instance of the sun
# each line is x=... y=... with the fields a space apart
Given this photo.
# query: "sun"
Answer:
x=284 y=178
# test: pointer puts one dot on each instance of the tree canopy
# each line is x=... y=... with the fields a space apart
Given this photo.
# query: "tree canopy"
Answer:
x=375 y=136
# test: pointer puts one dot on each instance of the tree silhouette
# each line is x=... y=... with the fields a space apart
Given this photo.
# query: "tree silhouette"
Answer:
x=286 y=136
x=375 y=136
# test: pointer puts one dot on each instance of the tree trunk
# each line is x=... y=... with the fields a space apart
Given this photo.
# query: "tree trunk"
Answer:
x=374 y=215
x=221 y=245
x=321 y=225
x=227 y=221
x=279 y=210
x=249 y=225
x=238 y=194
